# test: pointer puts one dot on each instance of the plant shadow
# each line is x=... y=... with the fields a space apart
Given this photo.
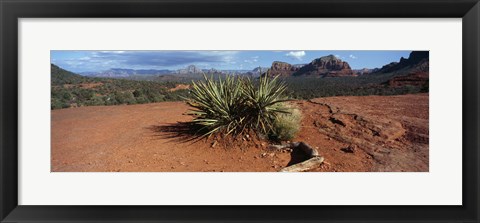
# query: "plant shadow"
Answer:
x=177 y=132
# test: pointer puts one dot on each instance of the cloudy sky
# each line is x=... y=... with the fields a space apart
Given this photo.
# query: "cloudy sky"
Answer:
x=83 y=61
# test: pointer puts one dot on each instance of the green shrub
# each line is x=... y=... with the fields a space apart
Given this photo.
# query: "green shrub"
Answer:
x=286 y=126
x=236 y=105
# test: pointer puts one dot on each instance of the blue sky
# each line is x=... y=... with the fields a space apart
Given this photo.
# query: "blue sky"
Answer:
x=83 y=61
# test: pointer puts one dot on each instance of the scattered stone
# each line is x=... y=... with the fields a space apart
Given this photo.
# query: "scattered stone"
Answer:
x=130 y=161
x=305 y=165
x=350 y=149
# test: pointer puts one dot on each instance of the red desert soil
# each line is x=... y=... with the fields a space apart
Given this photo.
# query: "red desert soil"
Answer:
x=353 y=134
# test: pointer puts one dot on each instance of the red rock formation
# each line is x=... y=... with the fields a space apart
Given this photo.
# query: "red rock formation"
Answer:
x=281 y=69
x=328 y=66
x=413 y=79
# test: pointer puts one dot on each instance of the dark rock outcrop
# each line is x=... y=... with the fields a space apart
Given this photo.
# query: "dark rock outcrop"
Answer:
x=417 y=60
x=413 y=71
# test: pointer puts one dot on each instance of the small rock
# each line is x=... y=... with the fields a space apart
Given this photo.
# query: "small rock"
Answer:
x=350 y=149
x=264 y=154
x=130 y=161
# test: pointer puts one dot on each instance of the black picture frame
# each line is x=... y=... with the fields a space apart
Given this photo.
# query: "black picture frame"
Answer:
x=12 y=10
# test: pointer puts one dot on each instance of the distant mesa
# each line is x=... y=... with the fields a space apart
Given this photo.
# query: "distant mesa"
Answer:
x=191 y=69
x=327 y=66
x=364 y=71
x=120 y=72
x=281 y=69
x=124 y=73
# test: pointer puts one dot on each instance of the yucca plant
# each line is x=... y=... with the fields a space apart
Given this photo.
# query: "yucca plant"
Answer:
x=263 y=100
x=218 y=105
x=236 y=105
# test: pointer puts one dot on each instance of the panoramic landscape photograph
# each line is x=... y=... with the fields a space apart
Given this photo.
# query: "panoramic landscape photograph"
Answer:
x=239 y=111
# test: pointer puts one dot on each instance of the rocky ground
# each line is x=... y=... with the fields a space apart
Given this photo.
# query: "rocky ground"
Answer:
x=353 y=134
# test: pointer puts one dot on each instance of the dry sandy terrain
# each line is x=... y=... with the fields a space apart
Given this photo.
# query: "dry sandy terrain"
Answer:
x=369 y=133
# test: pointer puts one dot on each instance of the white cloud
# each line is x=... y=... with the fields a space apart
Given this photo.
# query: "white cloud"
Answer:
x=113 y=51
x=296 y=54
x=352 y=56
x=252 y=59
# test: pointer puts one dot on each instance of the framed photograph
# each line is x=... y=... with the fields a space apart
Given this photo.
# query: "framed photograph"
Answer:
x=239 y=111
